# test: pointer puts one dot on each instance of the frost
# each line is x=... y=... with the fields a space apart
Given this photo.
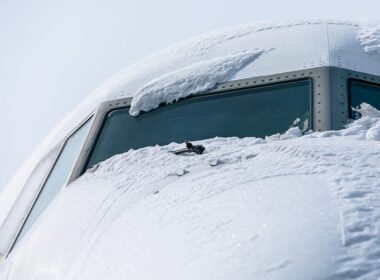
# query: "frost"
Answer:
x=369 y=37
x=190 y=80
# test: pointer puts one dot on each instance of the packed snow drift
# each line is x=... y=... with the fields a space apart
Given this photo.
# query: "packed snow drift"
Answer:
x=193 y=79
x=290 y=206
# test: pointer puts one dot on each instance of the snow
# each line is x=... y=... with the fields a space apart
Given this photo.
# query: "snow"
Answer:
x=369 y=37
x=292 y=173
x=193 y=79
x=294 y=207
x=293 y=45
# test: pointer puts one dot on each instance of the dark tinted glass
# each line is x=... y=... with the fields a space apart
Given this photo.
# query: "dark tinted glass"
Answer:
x=362 y=92
x=57 y=177
x=248 y=112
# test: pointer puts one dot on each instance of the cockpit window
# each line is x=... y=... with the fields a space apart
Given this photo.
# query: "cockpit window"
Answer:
x=360 y=92
x=259 y=112
x=57 y=177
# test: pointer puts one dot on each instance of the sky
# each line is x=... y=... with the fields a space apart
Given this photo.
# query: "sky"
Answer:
x=54 y=53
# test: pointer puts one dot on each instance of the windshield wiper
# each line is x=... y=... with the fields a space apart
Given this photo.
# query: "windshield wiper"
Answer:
x=190 y=148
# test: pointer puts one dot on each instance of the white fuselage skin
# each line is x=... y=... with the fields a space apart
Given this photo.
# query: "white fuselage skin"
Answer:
x=246 y=208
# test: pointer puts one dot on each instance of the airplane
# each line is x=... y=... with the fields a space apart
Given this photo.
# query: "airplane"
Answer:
x=250 y=152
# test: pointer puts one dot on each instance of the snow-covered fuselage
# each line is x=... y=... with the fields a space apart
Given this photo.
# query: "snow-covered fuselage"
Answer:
x=303 y=203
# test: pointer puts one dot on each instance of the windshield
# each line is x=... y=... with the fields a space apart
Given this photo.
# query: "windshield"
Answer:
x=360 y=92
x=247 y=112
x=57 y=177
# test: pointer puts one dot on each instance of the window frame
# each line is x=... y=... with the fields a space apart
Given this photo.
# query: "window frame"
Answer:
x=349 y=90
x=200 y=97
x=322 y=103
x=58 y=148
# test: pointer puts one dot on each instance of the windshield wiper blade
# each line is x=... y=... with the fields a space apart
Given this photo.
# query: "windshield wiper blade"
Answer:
x=190 y=148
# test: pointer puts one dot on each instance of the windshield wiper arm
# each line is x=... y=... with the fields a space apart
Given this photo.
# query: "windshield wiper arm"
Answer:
x=190 y=148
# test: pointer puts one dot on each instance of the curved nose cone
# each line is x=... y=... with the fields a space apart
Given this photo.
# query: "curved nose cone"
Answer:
x=284 y=227
x=294 y=209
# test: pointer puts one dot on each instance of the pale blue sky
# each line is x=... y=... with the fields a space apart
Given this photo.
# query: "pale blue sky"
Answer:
x=53 y=53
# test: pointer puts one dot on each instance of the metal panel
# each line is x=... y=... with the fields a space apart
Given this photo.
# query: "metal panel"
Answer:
x=339 y=99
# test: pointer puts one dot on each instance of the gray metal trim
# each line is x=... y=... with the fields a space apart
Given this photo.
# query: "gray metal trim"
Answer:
x=59 y=147
x=329 y=100
x=315 y=74
x=340 y=92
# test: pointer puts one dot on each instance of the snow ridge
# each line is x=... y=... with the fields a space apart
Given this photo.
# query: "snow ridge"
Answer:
x=196 y=78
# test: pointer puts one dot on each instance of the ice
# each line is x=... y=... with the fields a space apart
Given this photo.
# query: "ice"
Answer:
x=196 y=78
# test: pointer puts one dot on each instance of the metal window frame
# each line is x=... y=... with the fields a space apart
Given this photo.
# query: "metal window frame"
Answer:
x=329 y=100
x=60 y=147
x=84 y=166
x=341 y=94
x=349 y=89
x=316 y=75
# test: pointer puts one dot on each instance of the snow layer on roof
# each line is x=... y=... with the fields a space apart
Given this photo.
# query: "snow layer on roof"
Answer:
x=287 y=207
x=193 y=79
x=294 y=45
